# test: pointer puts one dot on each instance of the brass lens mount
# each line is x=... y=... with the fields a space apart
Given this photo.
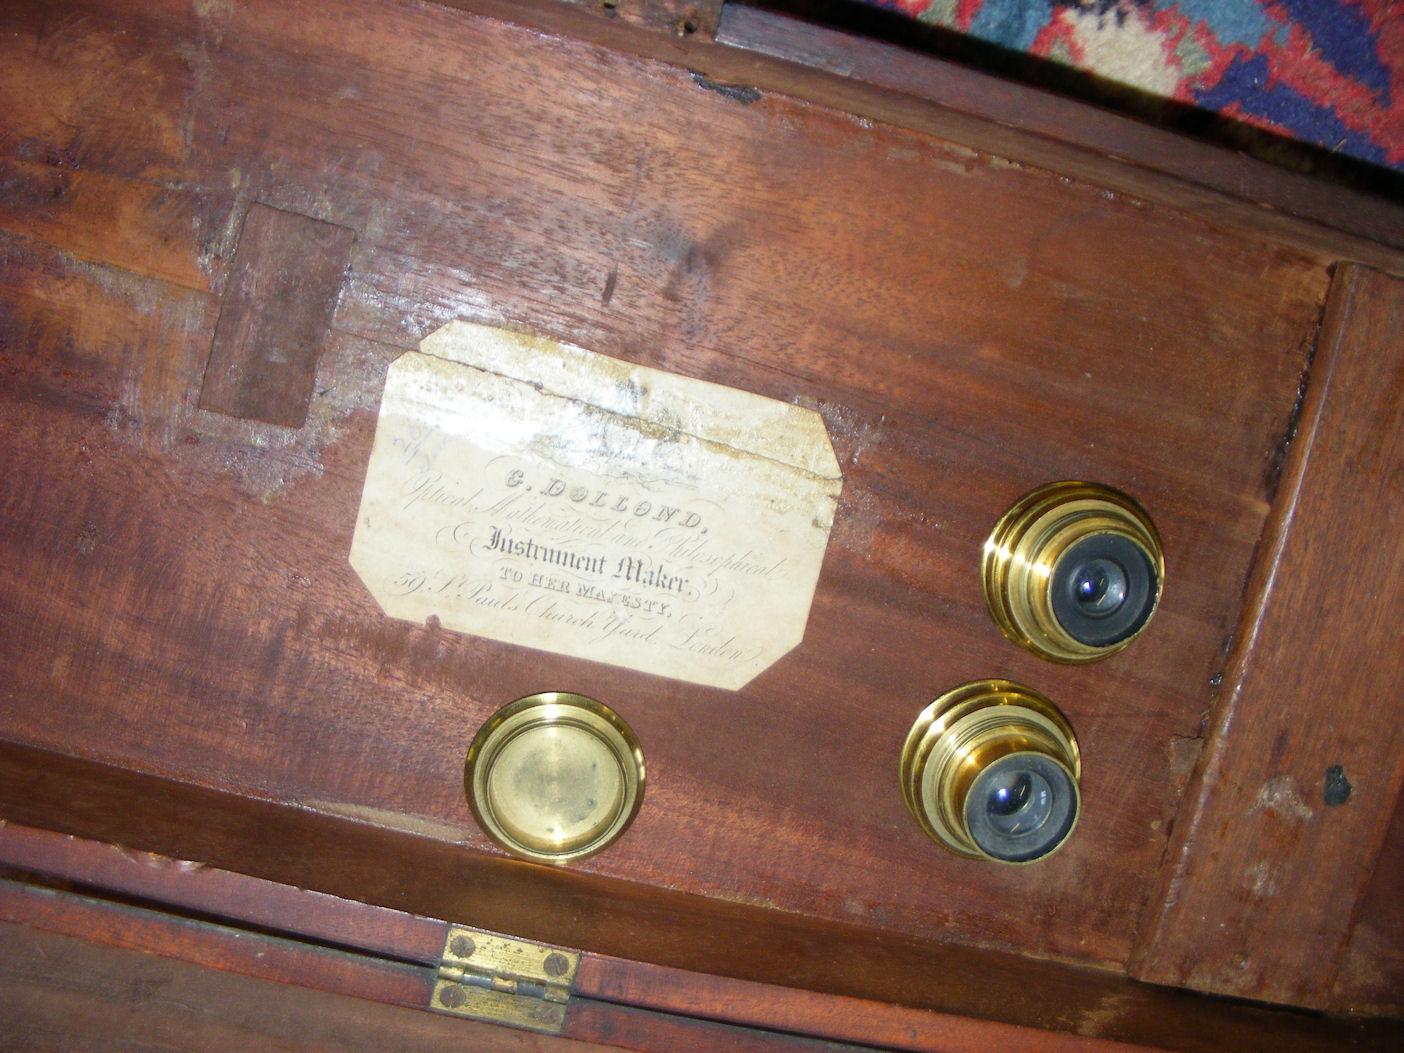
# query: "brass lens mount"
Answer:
x=554 y=777
x=1073 y=572
x=990 y=771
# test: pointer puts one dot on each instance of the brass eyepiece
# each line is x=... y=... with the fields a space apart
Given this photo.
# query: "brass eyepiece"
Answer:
x=990 y=771
x=1073 y=571
x=554 y=777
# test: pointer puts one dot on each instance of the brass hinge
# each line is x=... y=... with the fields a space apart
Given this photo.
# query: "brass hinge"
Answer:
x=504 y=981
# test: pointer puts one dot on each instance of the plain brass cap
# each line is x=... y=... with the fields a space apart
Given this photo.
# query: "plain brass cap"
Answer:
x=554 y=777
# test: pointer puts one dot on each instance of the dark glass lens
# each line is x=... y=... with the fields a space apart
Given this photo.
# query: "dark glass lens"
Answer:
x=1103 y=589
x=1019 y=802
x=1011 y=796
x=1021 y=807
x=1099 y=586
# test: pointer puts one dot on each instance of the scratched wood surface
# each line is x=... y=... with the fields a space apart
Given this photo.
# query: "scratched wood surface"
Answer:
x=613 y=998
x=283 y=285
x=1282 y=829
x=63 y=992
x=173 y=581
x=79 y=973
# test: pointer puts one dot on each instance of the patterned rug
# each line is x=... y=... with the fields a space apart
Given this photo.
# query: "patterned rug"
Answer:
x=1267 y=75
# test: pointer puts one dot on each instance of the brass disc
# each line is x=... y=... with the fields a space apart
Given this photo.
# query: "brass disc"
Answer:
x=554 y=777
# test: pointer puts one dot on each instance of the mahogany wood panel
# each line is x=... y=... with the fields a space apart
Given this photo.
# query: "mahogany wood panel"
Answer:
x=1027 y=126
x=174 y=583
x=1047 y=115
x=185 y=885
x=267 y=957
x=1300 y=779
x=646 y=924
x=680 y=18
x=283 y=285
x=1371 y=977
x=62 y=992
x=299 y=913
x=76 y=973
x=805 y=1012
x=250 y=981
x=625 y=1027
x=247 y=902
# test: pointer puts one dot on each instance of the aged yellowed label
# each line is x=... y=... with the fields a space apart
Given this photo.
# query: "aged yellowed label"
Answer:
x=539 y=494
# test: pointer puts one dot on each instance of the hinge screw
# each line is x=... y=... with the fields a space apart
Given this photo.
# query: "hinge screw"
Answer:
x=555 y=964
x=547 y=1014
x=452 y=996
x=462 y=947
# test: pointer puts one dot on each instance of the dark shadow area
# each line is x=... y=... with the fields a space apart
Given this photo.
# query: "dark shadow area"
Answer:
x=878 y=24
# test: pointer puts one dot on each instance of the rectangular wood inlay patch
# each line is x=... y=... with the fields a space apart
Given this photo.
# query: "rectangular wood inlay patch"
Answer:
x=283 y=286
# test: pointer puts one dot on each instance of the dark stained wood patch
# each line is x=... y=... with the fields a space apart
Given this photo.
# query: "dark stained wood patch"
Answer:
x=283 y=286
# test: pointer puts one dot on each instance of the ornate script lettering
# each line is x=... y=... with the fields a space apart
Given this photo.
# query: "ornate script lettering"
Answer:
x=544 y=496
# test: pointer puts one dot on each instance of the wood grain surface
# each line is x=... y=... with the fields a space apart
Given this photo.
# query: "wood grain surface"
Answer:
x=67 y=956
x=1283 y=826
x=636 y=1000
x=1371 y=977
x=284 y=282
x=174 y=585
x=195 y=888
x=63 y=992
x=82 y=974
x=213 y=918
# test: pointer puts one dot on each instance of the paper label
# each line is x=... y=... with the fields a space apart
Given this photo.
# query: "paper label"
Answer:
x=542 y=495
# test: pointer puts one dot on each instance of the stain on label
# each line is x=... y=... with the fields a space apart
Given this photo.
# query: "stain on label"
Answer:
x=539 y=494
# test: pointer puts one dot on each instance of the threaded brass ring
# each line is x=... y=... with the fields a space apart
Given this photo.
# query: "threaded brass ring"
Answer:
x=1073 y=572
x=990 y=771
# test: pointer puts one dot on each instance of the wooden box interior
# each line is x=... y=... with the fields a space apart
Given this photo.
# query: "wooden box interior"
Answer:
x=188 y=663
